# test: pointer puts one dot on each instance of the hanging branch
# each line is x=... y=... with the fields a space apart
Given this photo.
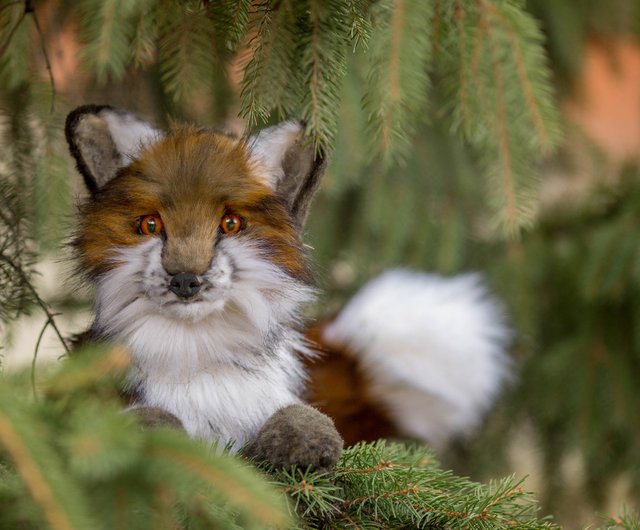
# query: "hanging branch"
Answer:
x=12 y=32
x=29 y=9
x=27 y=283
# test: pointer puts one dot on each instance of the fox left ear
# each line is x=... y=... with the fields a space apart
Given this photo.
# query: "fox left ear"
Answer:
x=104 y=139
x=289 y=164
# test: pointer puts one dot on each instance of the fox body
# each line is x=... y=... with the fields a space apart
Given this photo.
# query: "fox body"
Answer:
x=192 y=239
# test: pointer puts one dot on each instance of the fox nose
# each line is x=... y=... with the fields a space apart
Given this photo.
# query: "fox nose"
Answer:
x=184 y=284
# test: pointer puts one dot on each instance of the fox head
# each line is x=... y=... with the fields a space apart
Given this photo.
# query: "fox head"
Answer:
x=191 y=223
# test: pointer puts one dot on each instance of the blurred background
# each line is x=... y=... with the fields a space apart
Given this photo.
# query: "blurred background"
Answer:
x=435 y=197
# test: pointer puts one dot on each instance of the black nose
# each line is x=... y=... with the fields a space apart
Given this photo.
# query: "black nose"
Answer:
x=184 y=284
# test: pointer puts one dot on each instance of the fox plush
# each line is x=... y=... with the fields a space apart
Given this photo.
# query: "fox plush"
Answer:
x=193 y=239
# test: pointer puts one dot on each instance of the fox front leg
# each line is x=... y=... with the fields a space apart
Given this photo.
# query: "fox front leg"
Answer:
x=154 y=417
x=297 y=435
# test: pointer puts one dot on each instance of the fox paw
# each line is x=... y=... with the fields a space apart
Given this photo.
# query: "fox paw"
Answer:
x=154 y=417
x=297 y=435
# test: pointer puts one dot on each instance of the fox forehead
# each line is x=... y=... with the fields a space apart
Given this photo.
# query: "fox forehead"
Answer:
x=195 y=166
x=190 y=177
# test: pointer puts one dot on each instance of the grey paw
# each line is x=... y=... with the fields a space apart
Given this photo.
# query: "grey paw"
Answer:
x=297 y=435
x=154 y=417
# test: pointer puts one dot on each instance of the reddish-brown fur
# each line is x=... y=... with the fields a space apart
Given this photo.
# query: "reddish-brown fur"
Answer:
x=191 y=178
x=339 y=388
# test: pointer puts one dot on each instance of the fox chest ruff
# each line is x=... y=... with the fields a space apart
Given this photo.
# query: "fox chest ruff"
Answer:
x=223 y=363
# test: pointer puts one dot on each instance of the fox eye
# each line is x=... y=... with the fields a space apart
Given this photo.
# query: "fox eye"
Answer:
x=150 y=225
x=231 y=224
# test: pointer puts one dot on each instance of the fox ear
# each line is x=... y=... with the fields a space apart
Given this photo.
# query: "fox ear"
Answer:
x=288 y=164
x=103 y=139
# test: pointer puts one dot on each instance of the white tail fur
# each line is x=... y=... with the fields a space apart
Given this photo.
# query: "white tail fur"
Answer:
x=433 y=348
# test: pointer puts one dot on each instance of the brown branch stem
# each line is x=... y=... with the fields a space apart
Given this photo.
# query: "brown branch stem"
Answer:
x=35 y=357
x=32 y=476
x=36 y=296
x=46 y=59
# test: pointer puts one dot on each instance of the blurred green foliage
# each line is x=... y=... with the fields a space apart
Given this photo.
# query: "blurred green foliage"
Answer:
x=439 y=118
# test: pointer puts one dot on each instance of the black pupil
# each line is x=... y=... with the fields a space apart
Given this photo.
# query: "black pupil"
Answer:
x=231 y=223
x=151 y=225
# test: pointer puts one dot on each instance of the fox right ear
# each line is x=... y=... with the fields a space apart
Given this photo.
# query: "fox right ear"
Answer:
x=104 y=139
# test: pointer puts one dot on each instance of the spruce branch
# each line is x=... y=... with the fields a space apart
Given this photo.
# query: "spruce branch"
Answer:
x=499 y=66
x=322 y=56
x=398 y=81
x=29 y=8
x=511 y=213
x=397 y=486
x=14 y=28
x=265 y=84
x=26 y=282
x=532 y=105
x=38 y=466
x=30 y=472
x=187 y=52
x=360 y=31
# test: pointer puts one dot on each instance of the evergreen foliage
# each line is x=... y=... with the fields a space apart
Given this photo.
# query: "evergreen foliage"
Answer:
x=72 y=459
x=487 y=53
x=436 y=114
x=15 y=260
x=587 y=267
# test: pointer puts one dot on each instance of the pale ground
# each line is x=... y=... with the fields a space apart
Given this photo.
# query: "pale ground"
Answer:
x=52 y=283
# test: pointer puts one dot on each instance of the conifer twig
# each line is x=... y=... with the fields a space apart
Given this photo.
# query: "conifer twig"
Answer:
x=522 y=72
x=32 y=476
x=459 y=17
x=27 y=283
x=10 y=4
x=29 y=8
x=503 y=133
x=394 y=74
x=6 y=43
x=35 y=357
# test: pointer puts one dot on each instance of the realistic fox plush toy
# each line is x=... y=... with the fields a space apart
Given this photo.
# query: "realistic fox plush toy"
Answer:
x=193 y=239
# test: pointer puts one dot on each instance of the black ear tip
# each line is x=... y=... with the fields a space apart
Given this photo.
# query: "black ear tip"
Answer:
x=74 y=117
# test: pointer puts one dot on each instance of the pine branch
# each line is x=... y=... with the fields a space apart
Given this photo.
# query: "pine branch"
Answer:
x=500 y=70
x=266 y=81
x=188 y=59
x=38 y=465
x=14 y=296
x=15 y=46
x=24 y=280
x=360 y=25
x=106 y=31
x=394 y=486
x=398 y=83
x=323 y=62
x=77 y=454
x=45 y=55
x=145 y=35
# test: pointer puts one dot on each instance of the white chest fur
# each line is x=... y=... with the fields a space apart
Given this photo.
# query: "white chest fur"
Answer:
x=222 y=364
x=219 y=393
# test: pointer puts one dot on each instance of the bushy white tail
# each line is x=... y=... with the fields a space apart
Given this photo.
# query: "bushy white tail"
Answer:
x=432 y=347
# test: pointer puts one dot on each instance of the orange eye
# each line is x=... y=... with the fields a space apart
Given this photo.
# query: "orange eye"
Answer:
x=231 y=224
x=150 y=225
